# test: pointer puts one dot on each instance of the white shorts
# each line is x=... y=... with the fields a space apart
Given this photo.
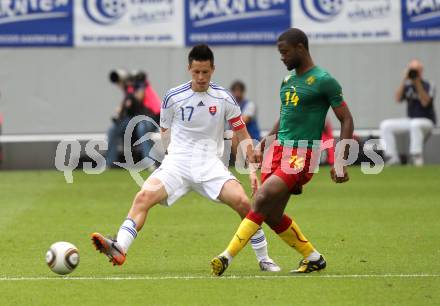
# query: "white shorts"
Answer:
x=179 y=176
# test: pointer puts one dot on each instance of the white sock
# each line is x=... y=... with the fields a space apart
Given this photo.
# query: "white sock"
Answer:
x=314 y=256
x=259 y=244
x=127 y=233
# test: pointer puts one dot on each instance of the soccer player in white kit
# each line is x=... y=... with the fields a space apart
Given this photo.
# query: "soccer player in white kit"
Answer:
x=192 y=122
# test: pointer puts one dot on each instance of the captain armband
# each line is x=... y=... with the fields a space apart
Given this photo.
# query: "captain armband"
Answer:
x=237 y=123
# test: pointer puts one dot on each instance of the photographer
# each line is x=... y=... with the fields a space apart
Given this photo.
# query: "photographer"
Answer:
x=134 y=87
x=419 y=95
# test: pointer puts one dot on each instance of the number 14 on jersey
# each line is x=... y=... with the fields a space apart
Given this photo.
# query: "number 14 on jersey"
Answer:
x=292 y=97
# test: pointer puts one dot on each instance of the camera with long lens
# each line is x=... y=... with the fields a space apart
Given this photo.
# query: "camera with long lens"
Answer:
x=130 y=82
x=134 y=78
x=413 y=74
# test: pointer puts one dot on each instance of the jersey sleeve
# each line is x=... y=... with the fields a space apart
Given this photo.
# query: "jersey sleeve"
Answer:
x=332 y=91
x=166 y=113
x=232 y=110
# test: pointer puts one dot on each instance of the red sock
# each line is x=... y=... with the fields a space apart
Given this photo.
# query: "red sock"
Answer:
x=255 y=217
x=283 y=225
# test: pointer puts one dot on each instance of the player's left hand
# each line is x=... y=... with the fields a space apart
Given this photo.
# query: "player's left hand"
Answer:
x=255 y=182
x=339 y=179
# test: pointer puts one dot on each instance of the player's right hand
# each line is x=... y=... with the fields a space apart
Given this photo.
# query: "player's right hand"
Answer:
x=258 y=152
x=339 y=179
x=255 y=182
x=258 y=157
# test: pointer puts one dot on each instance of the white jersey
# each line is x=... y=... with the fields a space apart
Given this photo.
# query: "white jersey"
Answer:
x=197 y=120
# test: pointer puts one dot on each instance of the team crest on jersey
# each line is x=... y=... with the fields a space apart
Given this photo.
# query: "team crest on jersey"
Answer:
x=213 y=109
x=296 y=162
x=310 y=80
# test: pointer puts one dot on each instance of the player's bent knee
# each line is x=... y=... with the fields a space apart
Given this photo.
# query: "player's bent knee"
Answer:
x=262 y=202
x=244 y=206
x=244 y=202
x=241 y=205
x=262 y=197
x=145 y=199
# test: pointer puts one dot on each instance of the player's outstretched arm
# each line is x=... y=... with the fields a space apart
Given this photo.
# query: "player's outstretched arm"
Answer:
x=347 y=126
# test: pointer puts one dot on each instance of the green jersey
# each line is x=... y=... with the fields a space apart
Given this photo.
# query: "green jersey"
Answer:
x=305 y=100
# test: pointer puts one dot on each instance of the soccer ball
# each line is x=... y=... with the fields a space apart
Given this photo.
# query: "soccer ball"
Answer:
x=62 y=257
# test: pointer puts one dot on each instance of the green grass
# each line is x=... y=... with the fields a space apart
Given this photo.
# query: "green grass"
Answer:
x=383 y=226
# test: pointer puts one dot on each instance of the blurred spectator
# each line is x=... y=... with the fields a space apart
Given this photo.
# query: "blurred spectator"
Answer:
x=139 y=99
x=248 y=112
x=421 y=118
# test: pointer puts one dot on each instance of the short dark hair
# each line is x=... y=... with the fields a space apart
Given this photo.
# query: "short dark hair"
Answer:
x=294 y=36
x=238 y=84
x=201 y=53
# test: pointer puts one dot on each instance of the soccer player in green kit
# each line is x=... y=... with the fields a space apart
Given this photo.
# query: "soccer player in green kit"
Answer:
x=306 y=95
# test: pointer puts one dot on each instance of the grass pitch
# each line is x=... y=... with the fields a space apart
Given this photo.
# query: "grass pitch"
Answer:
x=380 y=235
